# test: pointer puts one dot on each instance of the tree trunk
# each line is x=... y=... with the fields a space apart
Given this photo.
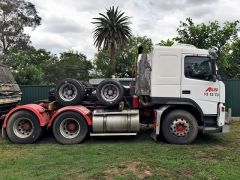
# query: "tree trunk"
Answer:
x=113 y=59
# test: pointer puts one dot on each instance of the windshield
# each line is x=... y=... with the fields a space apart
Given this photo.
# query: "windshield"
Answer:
x=6 y=75
x=199 y=67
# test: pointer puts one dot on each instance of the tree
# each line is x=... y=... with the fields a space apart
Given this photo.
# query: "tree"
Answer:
x=38 y=66
x=124 y=59
x=231 y=60
x=112 y=31
x=207 y=35
x=169 y=42
x=29 y=65
x=30 y=75
x=212 y=35
x=70 y=65
x=14 y=16
x=101 y=64
x=20 y=58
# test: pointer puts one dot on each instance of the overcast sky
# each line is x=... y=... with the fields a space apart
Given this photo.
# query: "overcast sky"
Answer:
x=66 y=24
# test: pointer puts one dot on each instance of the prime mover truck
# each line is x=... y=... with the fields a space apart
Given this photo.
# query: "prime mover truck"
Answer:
x=176 y=90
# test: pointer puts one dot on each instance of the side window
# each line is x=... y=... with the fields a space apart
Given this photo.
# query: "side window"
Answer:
x=197 y=67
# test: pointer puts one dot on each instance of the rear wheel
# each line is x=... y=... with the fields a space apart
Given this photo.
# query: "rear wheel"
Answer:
x=69 y=92
x=70 y=128
x=179 y=127
x=23 y=127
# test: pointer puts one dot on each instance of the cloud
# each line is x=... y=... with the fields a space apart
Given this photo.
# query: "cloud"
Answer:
x=66 y=24
x=50 y=41
x=63 y=25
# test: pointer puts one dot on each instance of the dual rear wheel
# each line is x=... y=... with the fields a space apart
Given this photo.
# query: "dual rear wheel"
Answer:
x=68 y=128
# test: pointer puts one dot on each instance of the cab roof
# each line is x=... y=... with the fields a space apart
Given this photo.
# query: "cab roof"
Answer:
x=183 y=48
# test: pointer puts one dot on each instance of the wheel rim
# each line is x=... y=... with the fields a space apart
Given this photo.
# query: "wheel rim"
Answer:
x=23 y=127
x=68 y=92
x=109 y=92
x=69 y=128
x=180 y=127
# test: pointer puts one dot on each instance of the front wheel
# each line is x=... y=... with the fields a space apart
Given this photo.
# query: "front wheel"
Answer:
x=23 y=127
x=70 y=128
x=180 y=127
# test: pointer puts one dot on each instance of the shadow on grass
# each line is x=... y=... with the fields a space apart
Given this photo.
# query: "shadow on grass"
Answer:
x=143 y=136
x=208 y=138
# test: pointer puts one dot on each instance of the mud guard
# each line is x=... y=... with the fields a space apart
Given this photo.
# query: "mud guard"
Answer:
x=39 y=111
x=86 y=113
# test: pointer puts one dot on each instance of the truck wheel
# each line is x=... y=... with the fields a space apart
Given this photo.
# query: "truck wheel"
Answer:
x=70 y=128
x=69 y=92
x=180 y=127
x=23 y=127
x=110 y=92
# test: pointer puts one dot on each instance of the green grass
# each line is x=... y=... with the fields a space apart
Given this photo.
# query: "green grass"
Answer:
x=215 y=156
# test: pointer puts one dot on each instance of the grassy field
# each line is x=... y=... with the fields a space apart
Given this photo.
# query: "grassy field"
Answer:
x=215 y=156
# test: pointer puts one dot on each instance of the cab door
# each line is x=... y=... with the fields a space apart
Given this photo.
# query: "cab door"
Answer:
x=198 y=83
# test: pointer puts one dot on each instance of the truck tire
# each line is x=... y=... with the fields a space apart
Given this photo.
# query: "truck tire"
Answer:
x=23 y=127
x=69 y=92
x=110 y=92
x=179 y=127
x=70 y=128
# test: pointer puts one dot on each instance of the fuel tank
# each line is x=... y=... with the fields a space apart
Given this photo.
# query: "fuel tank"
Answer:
x=125 y=121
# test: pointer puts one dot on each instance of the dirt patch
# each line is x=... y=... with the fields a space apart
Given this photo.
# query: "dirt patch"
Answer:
x=177 y=174
x=201 y=154
x=140 y=171
x=219 y=147
x=136 y=168
x=207 y=156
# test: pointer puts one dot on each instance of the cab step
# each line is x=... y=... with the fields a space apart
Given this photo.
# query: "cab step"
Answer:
x=223 y=129
x=113 y=134
x=211 y=129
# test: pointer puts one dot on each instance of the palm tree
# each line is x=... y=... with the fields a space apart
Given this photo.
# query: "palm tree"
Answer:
x=112 y=31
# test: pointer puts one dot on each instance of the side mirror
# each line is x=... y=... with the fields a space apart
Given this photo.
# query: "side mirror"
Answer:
x=214 y=78
x=219 y=77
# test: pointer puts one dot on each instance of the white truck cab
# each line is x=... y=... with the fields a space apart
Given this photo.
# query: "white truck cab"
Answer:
x=185 y=77
x=184 y=71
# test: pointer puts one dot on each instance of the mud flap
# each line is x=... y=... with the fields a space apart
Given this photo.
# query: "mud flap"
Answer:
x=225 y=128
x=153 y=135
x=4 y=133
x=156 y=132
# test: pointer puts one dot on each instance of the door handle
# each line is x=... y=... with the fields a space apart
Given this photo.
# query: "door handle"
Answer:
x=186 y=92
